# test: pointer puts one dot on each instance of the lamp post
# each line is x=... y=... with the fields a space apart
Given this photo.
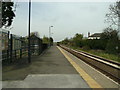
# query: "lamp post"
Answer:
x=49 y=34
x=29 y=51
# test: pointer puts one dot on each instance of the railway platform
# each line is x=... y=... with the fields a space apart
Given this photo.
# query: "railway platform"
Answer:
x=56 y=68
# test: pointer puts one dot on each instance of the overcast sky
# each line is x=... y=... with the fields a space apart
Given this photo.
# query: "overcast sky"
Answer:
x=68 y=18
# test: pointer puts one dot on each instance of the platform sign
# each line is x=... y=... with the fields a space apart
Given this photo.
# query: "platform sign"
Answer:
x=16 y=42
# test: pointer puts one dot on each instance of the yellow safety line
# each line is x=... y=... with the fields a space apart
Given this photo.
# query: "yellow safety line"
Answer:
x=90 y=81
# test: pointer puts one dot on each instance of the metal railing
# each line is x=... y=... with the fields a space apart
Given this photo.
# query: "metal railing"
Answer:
x=16 y=47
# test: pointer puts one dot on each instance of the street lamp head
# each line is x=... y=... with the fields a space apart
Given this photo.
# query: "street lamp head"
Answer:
x=51 y=26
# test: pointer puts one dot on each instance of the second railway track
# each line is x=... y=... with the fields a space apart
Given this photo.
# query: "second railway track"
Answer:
x=107 y=67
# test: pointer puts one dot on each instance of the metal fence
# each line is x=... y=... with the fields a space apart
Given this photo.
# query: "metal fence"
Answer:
x=4 y=44
x=15 y=47
x=36 y=45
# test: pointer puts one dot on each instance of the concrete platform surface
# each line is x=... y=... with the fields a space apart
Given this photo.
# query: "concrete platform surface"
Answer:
x=52 y=61
x=49 y=70
x=48 y=81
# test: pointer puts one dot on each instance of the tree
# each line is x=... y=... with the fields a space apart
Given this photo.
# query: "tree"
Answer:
x=7 y=14
x=113 y=36
x=45 y=40
x=77 y=40
x=110 y=36
x=35 y=33
x=109 y=33
x=65 y=41
x=113 y=17
x=113 y=46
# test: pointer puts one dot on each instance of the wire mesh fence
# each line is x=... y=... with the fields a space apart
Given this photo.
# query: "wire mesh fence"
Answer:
x=15 y=47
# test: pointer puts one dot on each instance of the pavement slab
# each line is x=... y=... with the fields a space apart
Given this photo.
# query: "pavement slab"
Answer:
x=48 y=81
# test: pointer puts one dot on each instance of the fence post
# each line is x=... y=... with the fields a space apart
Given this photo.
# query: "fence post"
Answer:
x=38 y=47
x=21 y=53
x=15 y=54
x=21 y=49
x=11 y=48
x=8 y=46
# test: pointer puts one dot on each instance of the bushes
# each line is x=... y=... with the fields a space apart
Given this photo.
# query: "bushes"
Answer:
x=77 y=40
x=94 y=44
x=86 y=47
x=110 y=46
x=113 y=47
x=108 y=42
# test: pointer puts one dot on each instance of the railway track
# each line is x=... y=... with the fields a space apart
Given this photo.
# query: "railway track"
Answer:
x=107 y=67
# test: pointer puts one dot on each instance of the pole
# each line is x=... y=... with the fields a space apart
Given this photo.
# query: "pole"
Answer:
x=29 y=51
x=8 y=46
x=11 y=47
x=49 y=36
x=1 y=14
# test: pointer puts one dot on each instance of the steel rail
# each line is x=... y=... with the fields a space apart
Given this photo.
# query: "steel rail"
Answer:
x=107 y=69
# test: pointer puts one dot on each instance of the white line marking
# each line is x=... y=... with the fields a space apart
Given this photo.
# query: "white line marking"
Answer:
x=100 y=73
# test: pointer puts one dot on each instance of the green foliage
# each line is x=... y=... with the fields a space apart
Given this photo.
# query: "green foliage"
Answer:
x=35 y=34
x=7 y=13
x=109 y=33
x=86 y=47
x=45 y=40
x=100 y=53
x=104 y=54
x=77 y=40
x=112 y=41
x=109 y=42
x=113 y=46
x=65 y=41
x=97 y=44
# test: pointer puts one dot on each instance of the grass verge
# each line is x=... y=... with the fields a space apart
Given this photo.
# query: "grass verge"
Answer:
x=100 y=53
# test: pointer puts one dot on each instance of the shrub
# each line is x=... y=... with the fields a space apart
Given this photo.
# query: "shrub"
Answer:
x=113 y=46
x=86 y=47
